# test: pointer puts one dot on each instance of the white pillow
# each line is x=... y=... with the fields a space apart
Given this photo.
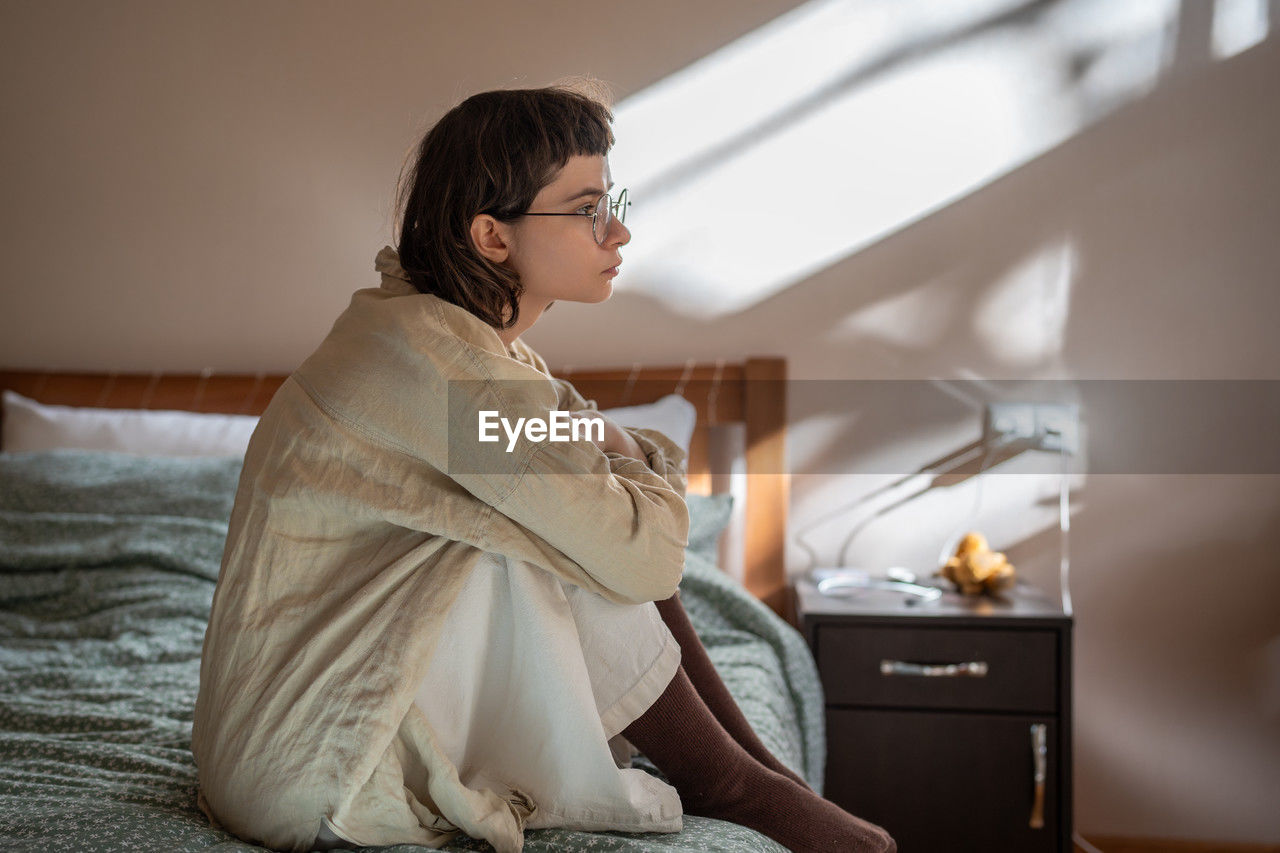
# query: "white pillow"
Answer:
x=672 y=415
x=29 y=426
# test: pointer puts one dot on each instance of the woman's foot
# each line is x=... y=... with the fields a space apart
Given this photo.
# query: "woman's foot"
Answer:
x=790 y=814
x=717 y=778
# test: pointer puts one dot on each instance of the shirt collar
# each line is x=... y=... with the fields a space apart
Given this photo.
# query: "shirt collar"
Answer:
x=454 y=318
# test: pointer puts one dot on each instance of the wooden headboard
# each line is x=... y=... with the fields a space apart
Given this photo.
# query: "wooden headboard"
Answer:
x=752 y=393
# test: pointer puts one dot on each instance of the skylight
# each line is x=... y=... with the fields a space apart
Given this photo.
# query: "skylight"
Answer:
x=845 y=120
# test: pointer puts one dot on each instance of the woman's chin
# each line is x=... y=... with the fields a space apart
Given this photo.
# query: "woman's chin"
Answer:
x=592 y=294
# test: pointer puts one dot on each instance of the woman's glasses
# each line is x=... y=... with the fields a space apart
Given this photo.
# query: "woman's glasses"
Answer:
x=602 y=214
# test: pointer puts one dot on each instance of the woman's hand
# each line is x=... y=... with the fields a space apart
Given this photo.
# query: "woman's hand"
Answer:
x=615 y=437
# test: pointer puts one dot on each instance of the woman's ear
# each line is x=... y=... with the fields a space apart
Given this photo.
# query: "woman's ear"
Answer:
x=491 y=237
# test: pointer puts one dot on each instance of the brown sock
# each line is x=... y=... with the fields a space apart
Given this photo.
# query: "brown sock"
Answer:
x=712 y=689
x=716 y=778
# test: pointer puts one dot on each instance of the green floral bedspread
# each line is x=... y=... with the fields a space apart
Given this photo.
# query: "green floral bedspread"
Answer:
x=107 y=568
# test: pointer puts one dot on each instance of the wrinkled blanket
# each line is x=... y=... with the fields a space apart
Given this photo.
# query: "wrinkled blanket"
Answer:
x=107 y=568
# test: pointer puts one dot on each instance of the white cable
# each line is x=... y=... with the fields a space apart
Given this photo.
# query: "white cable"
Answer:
x=856 y=530
x=950 y=543
x=1064 y=528
x=799 y=535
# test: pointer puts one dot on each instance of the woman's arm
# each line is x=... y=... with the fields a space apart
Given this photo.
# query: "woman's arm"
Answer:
x=616 y=439
x=580 y=506
x=662 y=455
x=583 y=510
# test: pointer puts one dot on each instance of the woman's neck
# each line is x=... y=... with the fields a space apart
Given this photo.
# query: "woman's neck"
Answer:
x=529 y=314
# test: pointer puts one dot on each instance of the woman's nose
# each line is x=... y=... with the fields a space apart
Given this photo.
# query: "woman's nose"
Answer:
x=623 y=230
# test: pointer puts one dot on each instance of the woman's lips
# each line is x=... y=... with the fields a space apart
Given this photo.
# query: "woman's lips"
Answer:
x=612 y=271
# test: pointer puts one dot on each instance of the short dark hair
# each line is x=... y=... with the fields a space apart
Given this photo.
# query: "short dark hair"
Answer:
x=491 y=154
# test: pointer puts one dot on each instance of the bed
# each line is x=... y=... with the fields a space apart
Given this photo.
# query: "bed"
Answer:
x=108 y=562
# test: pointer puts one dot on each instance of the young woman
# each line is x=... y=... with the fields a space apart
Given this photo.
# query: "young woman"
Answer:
x=416 y=632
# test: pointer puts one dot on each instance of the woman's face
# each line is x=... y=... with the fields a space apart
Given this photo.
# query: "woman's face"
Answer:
x=557 y=257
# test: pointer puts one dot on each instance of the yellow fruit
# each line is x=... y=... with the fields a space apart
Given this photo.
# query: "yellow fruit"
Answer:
x=975 y=568
x=972 y=541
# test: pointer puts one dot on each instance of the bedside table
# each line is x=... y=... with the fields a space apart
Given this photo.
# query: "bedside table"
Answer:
x=948 y=722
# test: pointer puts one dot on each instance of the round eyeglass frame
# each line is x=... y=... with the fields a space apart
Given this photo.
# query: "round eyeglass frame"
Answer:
x=602 y=213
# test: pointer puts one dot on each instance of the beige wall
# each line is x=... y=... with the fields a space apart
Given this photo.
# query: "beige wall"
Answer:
x=203 y=185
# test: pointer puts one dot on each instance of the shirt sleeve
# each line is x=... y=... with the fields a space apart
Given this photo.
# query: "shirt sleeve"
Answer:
x=623 y=521
x=664 y=456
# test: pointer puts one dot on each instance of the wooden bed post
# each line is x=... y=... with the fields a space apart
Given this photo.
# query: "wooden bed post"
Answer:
x=764 y=573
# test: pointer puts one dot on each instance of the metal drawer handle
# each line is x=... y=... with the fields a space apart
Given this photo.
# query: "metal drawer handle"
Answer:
x=977 y=669
x=1040 y=755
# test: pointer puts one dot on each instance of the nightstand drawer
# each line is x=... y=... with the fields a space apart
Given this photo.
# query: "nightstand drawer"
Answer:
x=988 y=669
x=970 y=786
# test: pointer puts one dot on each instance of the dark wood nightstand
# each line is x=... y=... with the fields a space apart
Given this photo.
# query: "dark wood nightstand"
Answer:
x=939 y=715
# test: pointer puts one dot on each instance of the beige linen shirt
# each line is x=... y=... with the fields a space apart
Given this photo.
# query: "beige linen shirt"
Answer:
x=365 y=501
